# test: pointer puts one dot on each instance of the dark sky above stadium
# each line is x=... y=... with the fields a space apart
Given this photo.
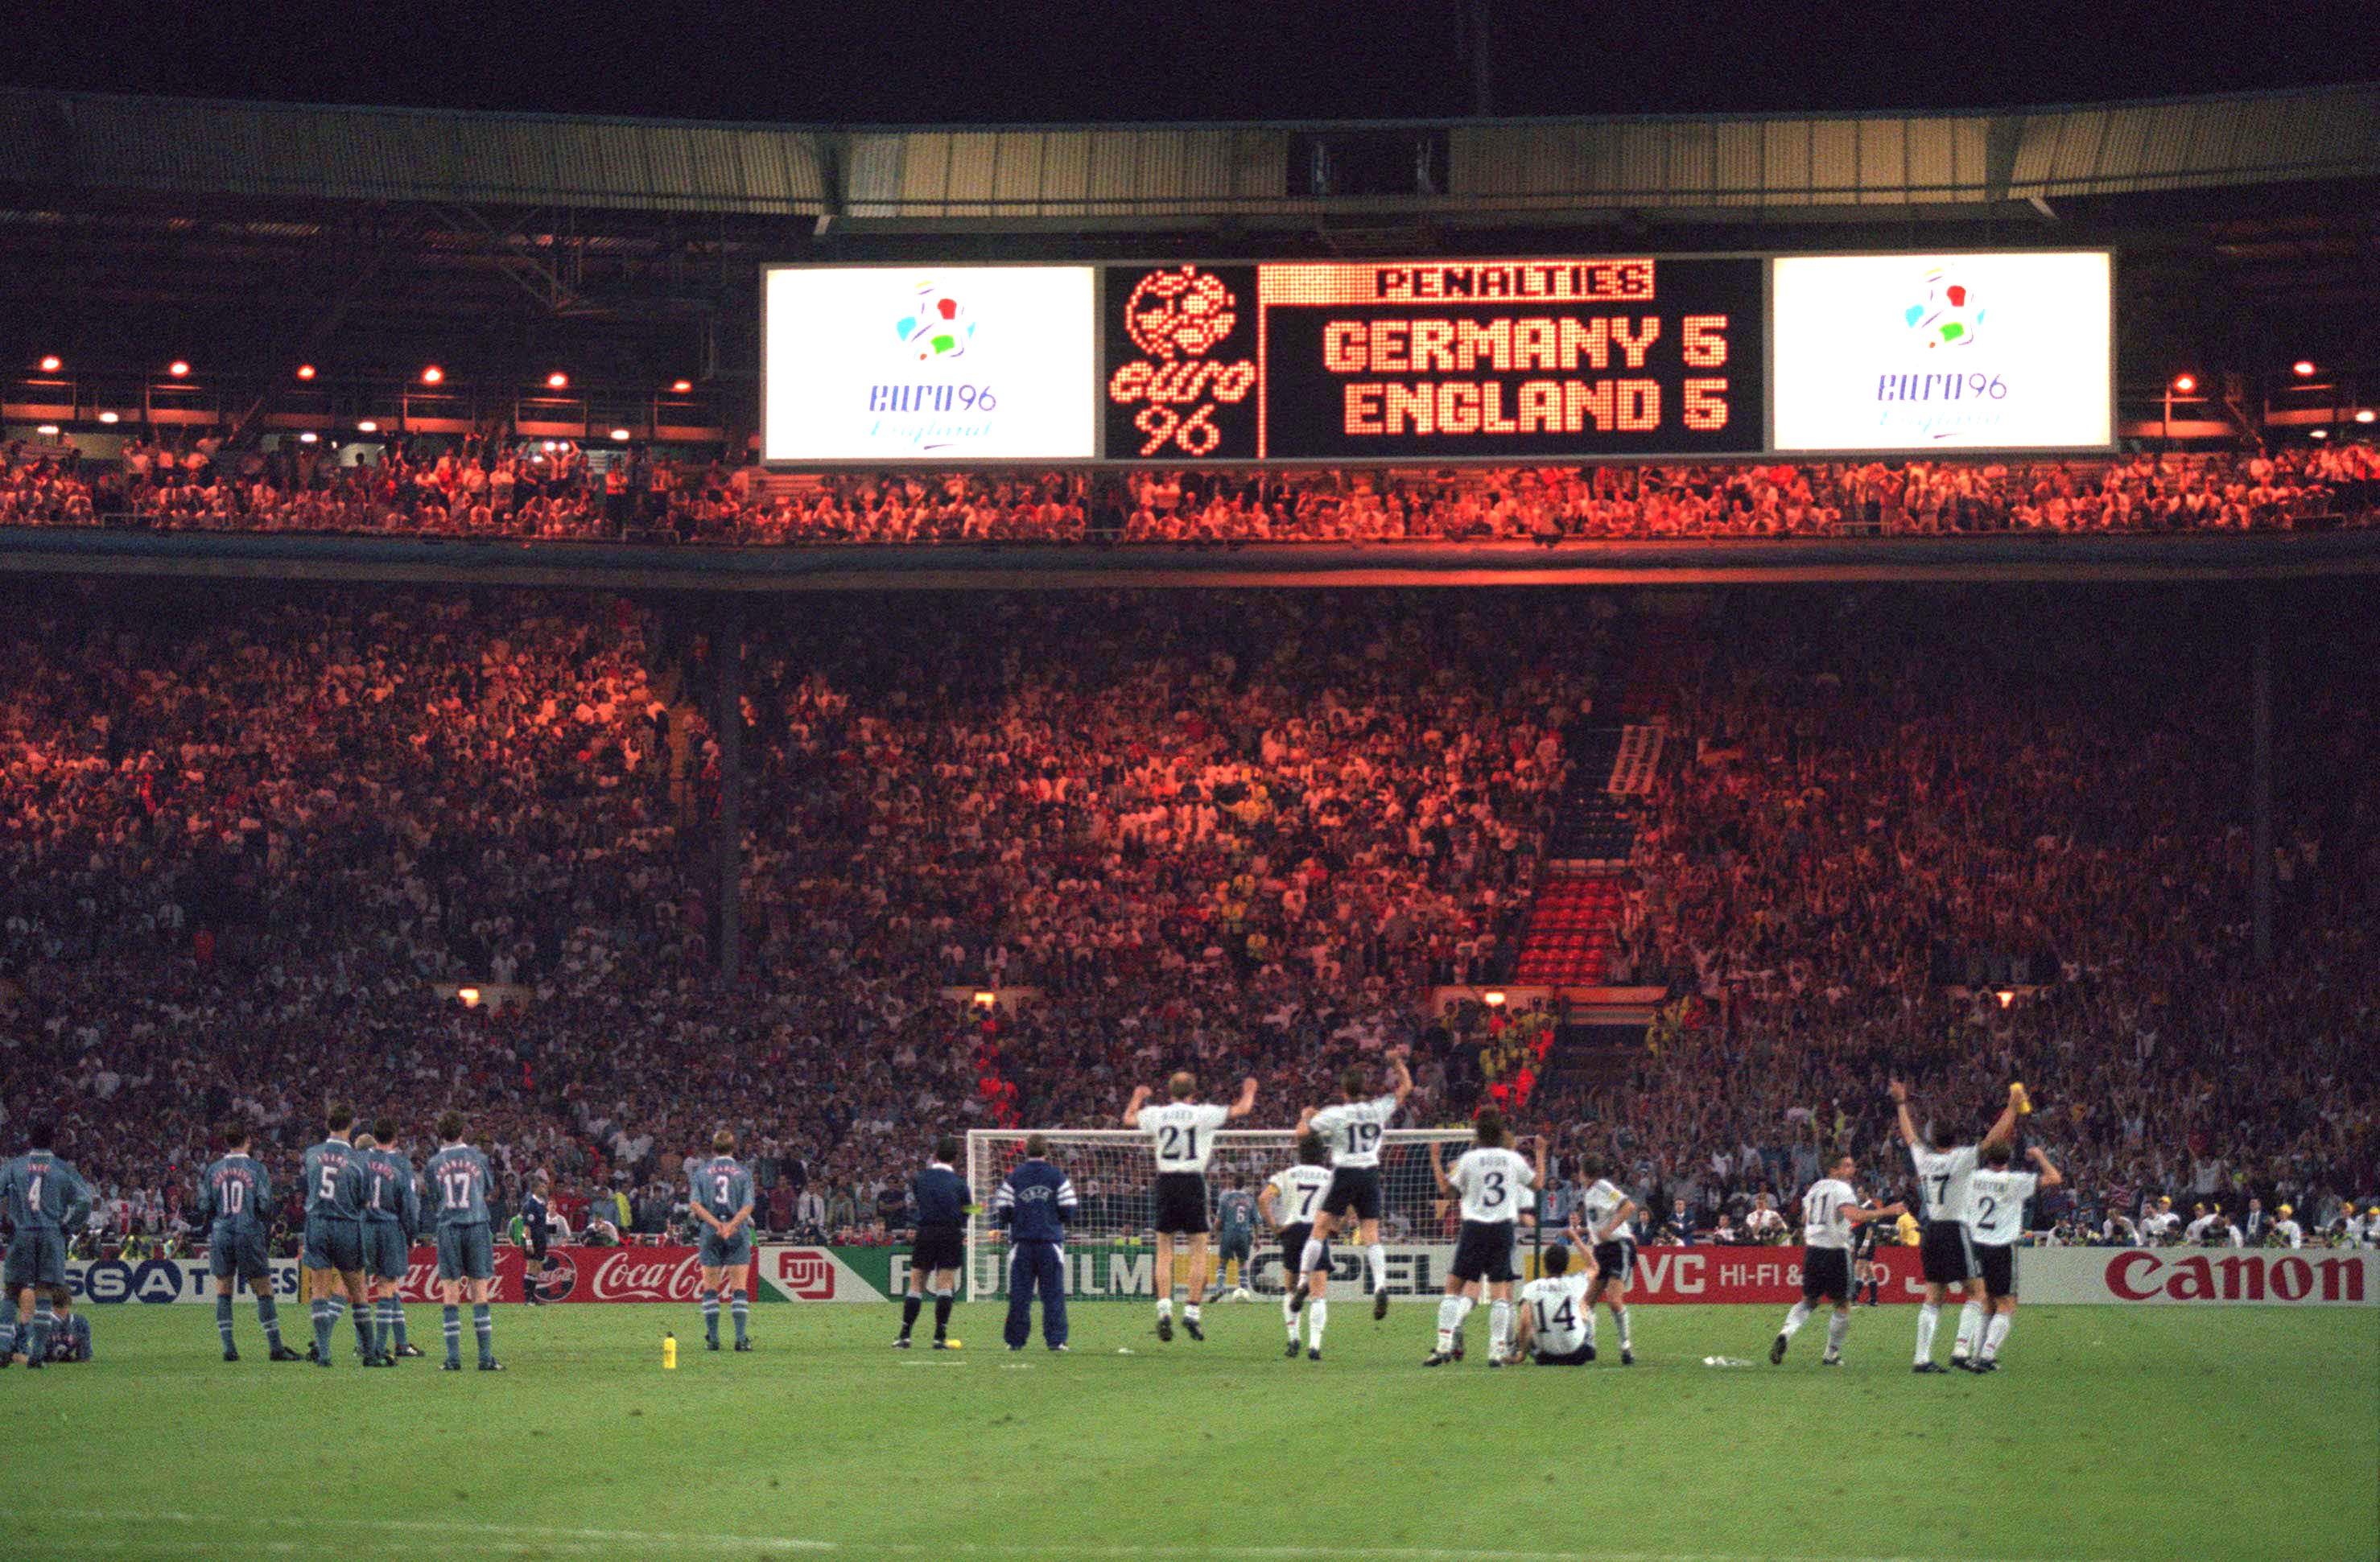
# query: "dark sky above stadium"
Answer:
x=892 y=61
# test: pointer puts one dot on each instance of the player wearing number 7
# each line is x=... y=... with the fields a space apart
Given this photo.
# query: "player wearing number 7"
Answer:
x=1488 y=1178
x=1353 y=1130
x=1183 y=1132
x=1945 y=1250
x=722 y=1202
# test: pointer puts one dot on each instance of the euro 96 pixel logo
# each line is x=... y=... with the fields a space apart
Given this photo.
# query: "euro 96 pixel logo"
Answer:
x=1177 y=318
x=1946 y=313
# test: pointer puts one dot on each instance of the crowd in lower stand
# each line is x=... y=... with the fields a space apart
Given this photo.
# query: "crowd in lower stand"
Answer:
x=254 y=843
x=549 y=489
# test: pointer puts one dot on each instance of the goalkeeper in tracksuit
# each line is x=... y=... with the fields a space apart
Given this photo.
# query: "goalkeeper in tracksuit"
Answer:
x=1034 y=1203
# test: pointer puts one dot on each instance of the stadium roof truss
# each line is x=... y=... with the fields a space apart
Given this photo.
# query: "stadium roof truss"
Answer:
x=1702 y=169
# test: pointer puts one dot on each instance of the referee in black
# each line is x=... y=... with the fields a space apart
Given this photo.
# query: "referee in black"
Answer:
x=533 y=1226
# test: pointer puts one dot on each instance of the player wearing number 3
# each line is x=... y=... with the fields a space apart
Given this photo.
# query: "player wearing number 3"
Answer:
x=1183 y=1132
x=722 y=1203
x=1353 y=1130
x=1489 y=1181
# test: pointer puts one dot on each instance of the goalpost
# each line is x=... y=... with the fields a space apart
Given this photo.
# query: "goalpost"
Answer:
x=1111 y=1250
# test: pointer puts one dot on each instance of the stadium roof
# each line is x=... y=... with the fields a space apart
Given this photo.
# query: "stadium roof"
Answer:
x=1706 y=167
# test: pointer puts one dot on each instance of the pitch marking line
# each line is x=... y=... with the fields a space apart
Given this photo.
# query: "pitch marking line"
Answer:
x=529 y=1538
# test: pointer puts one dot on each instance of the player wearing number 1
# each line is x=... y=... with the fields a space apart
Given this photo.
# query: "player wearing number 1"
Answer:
x=42 y=1199
x=1353 y=1130
x=722 y=1203
x=1489 y=1180
x=1945 y=1251
x=392 y=1217
x=335 y=1238
x=458 y=1179
x=1830 y=1214
x=1182 y=1131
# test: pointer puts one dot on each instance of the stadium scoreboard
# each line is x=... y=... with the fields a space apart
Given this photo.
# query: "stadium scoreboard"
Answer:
x=1542 y=360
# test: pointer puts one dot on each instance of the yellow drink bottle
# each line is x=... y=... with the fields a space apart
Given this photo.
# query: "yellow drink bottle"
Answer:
x=669 y=1352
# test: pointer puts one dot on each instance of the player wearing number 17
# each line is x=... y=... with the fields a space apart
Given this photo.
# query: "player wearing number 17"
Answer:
x=466 y=1254
x=1489 y=1178
x=1183 y=1132
x=42 y=1199
x=722 y=1202
x=1353 y=1130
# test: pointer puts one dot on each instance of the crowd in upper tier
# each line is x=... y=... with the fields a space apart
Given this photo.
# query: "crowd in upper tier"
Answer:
x=551 y=490
x=247 y=835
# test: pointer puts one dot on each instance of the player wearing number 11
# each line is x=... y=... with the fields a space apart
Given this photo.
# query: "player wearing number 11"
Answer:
x=1183 y=1132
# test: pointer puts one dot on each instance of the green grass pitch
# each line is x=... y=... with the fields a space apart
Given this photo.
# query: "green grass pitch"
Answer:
x=2111 y=1435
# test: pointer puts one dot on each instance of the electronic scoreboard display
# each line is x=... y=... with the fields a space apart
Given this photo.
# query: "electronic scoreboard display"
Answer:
x=1538 y=359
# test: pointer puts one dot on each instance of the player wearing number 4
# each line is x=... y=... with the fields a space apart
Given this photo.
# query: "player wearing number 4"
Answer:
x=42 y=1199
x=1353 y=1130
x=1947 y=1250
x=1182 y=1131
x=1830 y=1212
x=722 y=1202
x=1489 y=1180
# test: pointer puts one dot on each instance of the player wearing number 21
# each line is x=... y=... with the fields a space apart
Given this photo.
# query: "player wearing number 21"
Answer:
x=1183 y=1132
x=1489 y=1180
x=1353 y=1129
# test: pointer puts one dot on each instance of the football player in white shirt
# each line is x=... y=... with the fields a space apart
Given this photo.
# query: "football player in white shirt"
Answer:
x=1289 y=1203
x=1999 y=1198
x=1943 y=1170
x=1557 y=1325
x=1182 y=1134
x=1353 y=1130
x=1604 y=1210
x=1489 y=1180
x=1830 y=1212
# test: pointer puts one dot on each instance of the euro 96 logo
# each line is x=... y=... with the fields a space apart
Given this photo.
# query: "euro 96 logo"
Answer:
x=1178 y=319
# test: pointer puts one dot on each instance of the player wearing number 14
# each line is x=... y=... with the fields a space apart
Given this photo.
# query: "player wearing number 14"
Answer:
x=1183 y=1132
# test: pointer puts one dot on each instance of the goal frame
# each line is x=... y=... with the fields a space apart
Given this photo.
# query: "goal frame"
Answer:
x=990 y=1150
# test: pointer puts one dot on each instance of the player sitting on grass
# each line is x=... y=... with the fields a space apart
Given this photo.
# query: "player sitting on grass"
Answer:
x=1557 y=1327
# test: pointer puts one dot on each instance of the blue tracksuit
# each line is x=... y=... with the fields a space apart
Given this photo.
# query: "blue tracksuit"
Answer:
x=1034 y=1203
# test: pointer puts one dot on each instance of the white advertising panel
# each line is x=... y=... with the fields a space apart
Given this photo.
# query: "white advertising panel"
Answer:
x=885 y=364
x=1948 y=352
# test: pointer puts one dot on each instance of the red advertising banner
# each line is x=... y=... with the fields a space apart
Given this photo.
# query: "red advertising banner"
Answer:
x=577 y=1274
x=1771 y=1274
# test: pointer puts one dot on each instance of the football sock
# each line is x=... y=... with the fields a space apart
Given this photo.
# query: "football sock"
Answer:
x=1377 y=1256
x=942 y=1301
x=1317 y=1315
x=8 y=1333
x=1795 y=1319
x=38 y=1349
x=1971 y=1325
x=1165 y=1305
x=222 y=1319
x=1590 y=1327
x=710 y=1317
x=1994 y=1332
x=1311 y=1259
x=1838 y=1329
x=1499 y=1331
x=268 y=1313
x=322 y=1328
x=1450 y=1313
x=396 y=1306
x=1190 y=1308
x=363 y=1319
x=1620 y=1314
x=453 y=1329
x=484 y=1325
x=1929 y=1314
x=741 y=1311
x=1289 y=1313
x=911 y=1305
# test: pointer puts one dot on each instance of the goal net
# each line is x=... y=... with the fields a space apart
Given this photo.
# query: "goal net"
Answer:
x=1110 y=1247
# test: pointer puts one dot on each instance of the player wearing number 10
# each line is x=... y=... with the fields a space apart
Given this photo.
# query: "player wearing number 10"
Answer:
x=231 y=1192
x=466 y=1256
x=42 y=1198
x=1183 y=1132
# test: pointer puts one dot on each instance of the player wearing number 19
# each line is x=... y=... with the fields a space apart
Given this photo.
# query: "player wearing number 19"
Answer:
x=1353 y=1130
x=722 y=1202
x=1183 y=1132
x=42 y=1198
x=232 y=1190
x=335 y=1239
x=1489 y=1180
x=466 y=1256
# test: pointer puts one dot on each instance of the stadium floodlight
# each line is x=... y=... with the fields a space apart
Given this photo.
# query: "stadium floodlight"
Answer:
x=2302 y=368
x=433 y=375
x=469 y=997
x=178 y=369
x=1493 y=998
x=367 y=426
x=2321 y=433
x=557 y=381
x=47 y=431
x=2365 y=415
x=52 y=363
x=2185 y=383
x=305 y=371
x=107 y=417
x=308 y=437
x=681 y=386
x=2006 y=995
x=620 y=436
x=987 y=1000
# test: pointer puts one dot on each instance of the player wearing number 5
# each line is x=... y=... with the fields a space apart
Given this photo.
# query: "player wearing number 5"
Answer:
x=722 y=1203
x=1183 y=1133
x=1946 y=1251
x=1353 y=1130
x=466 y=1253
x=1489 y=1178
x=42 y=1199
x=335 y=1236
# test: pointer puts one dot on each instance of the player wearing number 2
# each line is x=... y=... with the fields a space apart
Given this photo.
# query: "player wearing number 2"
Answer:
x=722 y=1203
x=1946 y=1252
x=458 y=1181
x=1489 y=1180
x=335 y=1236
x=1999 y=1198
x=1353 y=1130
x=1183 y=1132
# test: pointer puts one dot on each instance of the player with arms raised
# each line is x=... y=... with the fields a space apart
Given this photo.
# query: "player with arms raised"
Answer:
x=722 y=1203
x=1182 y=1134
x=1945 y=1250
x=1999 y=1196
x=1489 y=1180
x=1289 y=1201
x=1605 y=1210
x=1353 y=1130
x=1831 y=1212
x=458 y=1178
